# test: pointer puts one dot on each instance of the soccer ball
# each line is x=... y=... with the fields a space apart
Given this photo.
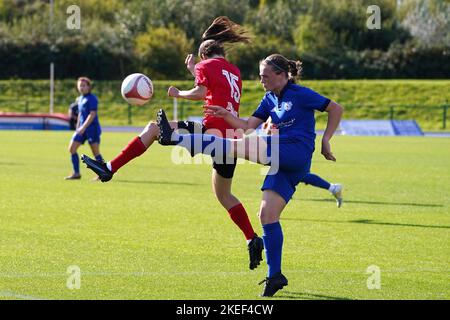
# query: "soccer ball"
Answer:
x=137 y=89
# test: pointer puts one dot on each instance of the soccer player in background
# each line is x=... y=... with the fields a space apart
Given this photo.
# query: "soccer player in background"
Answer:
x=217 y=82
x=289 y=153
x=87 y=128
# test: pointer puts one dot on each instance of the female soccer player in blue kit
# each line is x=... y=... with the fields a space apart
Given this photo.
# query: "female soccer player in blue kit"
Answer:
x=88 y=127
x=310 y=178
x=289 y=154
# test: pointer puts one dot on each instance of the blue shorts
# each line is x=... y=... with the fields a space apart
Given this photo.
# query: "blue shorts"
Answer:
x=293 y=164
x=91 y=137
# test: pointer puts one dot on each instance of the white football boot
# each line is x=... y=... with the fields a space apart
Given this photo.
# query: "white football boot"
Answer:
x=337 y=193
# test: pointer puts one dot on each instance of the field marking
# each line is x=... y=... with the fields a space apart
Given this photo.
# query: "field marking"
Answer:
x=10 y=294
x=200 y=273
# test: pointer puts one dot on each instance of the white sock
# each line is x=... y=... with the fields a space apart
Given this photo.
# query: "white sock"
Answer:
x=248 y=241
x=332 y=187
x=108 y=165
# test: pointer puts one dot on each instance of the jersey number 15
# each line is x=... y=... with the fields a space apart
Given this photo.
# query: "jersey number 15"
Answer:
x=235 y=92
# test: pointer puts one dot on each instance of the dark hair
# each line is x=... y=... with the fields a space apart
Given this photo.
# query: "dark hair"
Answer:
x=220 y=31
x=279 y=64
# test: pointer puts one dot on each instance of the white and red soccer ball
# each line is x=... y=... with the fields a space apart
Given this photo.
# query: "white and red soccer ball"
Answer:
x=137 y=89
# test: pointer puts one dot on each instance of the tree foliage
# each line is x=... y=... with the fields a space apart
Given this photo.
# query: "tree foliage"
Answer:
x=331 y=36
x=162 y=51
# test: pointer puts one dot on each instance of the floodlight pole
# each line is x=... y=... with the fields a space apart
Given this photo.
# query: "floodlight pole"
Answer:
x=52 y=65
x=52 y=85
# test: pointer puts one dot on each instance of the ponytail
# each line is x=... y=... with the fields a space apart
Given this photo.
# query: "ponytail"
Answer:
x=220 y=31
x=223 y=29
x=295 y=69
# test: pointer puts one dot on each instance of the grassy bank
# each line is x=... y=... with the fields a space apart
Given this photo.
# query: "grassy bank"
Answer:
x=422 y=100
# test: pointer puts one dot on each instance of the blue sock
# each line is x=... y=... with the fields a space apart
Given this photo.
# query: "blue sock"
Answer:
x=75 y=163
x=316 y=181
x=208 y=144
x=99 y=158
x=273 y=243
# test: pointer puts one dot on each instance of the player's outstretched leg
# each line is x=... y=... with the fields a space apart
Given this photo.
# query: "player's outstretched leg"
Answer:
x=251 y=148
x=99 y=167
x=255 y=249
x=208 y=144
x=273 y=284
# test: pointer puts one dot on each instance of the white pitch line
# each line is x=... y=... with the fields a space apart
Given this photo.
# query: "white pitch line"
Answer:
x=10 y=294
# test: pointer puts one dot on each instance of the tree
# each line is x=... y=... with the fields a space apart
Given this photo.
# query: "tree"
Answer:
x=428 y=22
x=342 y=24
x=276 y=18
x=191 y=16
x=162 y=52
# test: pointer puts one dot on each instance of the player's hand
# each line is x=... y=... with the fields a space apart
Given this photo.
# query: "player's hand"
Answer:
x=173 y=92
x=190 y=62
x=216 y=111
x=326 y=150
x=80 y=131
x=267 y=127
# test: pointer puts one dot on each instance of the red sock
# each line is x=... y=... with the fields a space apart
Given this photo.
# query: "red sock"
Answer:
x=240 y=218
x=134 y=149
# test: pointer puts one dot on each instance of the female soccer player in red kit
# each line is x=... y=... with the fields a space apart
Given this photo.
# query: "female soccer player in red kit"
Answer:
x=217 y=82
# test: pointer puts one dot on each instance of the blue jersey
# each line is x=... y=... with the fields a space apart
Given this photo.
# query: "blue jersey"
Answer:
x=293 y=112
x=86 y=104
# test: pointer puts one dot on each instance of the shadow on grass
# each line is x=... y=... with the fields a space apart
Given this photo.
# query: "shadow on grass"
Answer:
x=159 y=182
x=367 y=221
x=398 y=224
x=10 y=164
x=432 y=205
x=305 y=296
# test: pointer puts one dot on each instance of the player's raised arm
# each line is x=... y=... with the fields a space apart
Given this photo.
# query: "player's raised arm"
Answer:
x=190 y=63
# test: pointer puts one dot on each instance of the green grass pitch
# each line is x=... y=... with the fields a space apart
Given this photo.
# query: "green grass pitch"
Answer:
x=156 y=231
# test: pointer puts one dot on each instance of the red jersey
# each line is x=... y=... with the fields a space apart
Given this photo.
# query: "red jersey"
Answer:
x=224 y=88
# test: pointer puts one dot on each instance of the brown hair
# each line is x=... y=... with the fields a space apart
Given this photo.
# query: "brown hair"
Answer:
x=87 y=80
x=279 y=64
x=221 y=30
